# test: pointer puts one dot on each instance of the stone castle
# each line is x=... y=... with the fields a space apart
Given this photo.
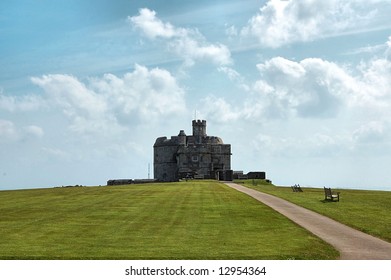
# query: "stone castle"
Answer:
x=195 y=156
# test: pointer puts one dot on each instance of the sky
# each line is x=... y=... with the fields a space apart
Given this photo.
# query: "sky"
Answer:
x=301 y=89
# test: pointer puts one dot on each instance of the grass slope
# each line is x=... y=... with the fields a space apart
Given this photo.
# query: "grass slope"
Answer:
x=368 y=211
x=186 y=220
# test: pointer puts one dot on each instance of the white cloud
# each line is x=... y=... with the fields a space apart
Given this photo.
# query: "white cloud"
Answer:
x=235 y=76
x=20 y=103
x=34 y=131
x=11 y=132
x=101 y=103
x=314 y=87
x=367 y=50
x=8 y=131
x=148 y=93
x=371 y=132
x=153 y=27
x=281 y=22
x=187 y=43
x=231 y=31
x=231 y=73
x=388 y=51
x=309 y=88
x=372 y=138
x=71 y=94
x=218 y=110
x=372 y=85
x=86 y=109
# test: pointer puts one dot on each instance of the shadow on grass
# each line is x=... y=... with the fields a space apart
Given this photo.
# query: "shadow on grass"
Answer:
x=328 y=201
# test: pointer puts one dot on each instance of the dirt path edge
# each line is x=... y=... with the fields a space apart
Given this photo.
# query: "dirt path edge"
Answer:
x=351 y=243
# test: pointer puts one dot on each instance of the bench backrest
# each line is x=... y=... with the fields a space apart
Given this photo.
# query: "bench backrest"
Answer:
x=327 y=191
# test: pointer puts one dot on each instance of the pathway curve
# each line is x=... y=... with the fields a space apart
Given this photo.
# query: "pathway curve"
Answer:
x=352 y=244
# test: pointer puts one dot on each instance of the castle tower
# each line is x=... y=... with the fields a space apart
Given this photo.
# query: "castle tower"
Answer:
x=182 y=137
x=199 y=128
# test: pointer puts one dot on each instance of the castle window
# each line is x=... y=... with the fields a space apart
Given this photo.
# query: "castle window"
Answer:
x=194 y=158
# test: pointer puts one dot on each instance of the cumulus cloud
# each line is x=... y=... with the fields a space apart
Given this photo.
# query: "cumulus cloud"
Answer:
x=309 y=88
x=154 y=27
x=71 y=94
x=370 y=86
x=312 y=88
x=99 y=104
x=11 y=132
x=148 y=93
x=83 y=106
x=281 y=22
x=218 y=109
x=187 y=43
x=20 y=103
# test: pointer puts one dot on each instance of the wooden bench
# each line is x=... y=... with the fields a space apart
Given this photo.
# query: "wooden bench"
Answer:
x=330 y=195
x=296 y=188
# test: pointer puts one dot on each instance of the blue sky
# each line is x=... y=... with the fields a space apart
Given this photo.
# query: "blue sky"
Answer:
x=301 y=89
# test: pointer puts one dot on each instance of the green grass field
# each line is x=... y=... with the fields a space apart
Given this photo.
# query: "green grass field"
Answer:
x=185 y=220
x=368 y=211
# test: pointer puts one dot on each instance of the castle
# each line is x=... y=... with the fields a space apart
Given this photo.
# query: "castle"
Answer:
x=195 y=156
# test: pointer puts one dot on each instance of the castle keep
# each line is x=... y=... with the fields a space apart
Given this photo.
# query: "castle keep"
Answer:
x=195 y=156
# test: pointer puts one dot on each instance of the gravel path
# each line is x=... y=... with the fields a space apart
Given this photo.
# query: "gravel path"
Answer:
x=352 y=244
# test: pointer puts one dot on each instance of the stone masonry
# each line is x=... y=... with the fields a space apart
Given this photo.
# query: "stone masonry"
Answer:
x=196 y=156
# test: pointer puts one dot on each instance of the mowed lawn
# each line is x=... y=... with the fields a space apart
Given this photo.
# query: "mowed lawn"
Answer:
x=184 y=220
x=367 y=211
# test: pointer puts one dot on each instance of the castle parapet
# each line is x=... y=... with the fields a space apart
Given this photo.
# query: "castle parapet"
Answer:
x=199 y=128
x=163 y=141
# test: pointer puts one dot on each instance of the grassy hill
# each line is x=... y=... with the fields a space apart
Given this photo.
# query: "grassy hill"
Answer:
x=367 y=211
x=184 y=220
